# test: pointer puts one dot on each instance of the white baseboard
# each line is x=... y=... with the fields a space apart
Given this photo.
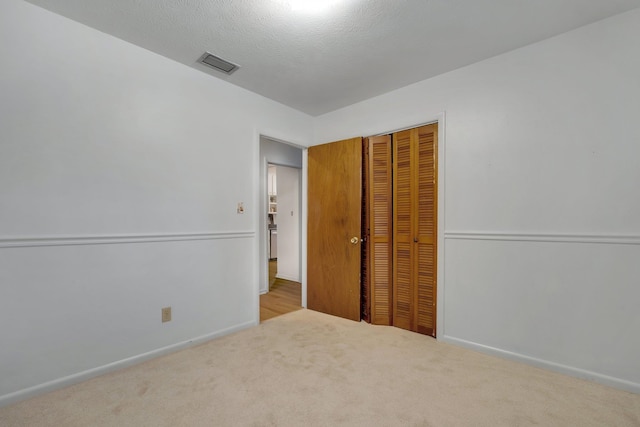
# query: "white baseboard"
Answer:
x=39 y=389
x=545 y=364
x=288 y=277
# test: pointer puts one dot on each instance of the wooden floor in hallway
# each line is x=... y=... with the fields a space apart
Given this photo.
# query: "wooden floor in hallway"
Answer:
x=284 y=296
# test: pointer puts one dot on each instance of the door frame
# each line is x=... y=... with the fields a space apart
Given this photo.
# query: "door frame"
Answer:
x=261 y=275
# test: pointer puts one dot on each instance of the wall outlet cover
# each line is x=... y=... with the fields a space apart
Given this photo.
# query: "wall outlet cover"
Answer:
x=166 y=314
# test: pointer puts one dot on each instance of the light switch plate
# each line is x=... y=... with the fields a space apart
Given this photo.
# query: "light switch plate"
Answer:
x=240 y=208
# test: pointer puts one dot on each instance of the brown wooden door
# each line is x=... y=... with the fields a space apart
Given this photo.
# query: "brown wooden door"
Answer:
x=379 y=236
x=415 y=229
x=333 y=236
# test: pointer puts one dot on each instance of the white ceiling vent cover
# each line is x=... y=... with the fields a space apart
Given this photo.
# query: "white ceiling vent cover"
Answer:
x=218 y=63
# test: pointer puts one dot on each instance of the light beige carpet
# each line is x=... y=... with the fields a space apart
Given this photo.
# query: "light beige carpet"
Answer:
x=310 y=369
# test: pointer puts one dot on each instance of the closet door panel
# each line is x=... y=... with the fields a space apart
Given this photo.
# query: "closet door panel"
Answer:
x=404 y=201
x=427 y=209
x=380 y=229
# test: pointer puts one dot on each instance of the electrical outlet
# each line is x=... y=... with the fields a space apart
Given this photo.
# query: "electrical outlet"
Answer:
x=166 y=314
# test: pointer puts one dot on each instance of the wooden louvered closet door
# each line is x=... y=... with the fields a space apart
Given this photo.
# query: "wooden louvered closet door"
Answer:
x=403 y=206
x=379 y=234
x=415 y=229
x=426 y=226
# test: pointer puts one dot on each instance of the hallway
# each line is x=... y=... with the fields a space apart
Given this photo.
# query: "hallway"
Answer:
x=284 y=296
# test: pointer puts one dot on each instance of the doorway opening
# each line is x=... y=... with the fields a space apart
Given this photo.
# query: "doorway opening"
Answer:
x=281 y=235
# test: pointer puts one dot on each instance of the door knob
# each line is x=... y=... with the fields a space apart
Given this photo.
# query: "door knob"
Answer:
x=354 y=240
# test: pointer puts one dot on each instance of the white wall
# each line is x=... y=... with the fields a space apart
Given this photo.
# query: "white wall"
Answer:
x=288 y=223
x=542 y=221
x=120 y=172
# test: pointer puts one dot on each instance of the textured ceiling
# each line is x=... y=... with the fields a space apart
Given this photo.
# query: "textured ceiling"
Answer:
x=357 y=49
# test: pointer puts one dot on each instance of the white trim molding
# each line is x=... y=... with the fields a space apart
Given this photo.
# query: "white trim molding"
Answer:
x=611 y=239
x=442 y=214
x=36 y=241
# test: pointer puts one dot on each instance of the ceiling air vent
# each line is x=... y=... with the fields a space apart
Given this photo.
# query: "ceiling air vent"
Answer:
x=217 y=63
